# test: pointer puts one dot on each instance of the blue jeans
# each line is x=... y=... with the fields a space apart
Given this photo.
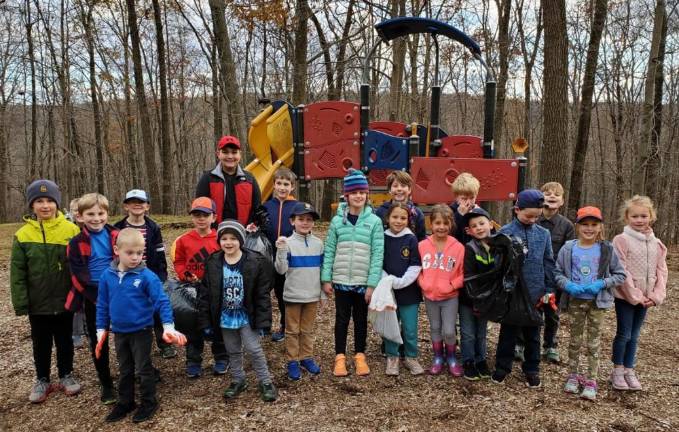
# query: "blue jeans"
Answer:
x=629 y=318
x=473 y=331
x=407 y=315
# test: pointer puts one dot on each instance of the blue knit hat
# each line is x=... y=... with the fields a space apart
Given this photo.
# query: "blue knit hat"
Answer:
x=355 y=181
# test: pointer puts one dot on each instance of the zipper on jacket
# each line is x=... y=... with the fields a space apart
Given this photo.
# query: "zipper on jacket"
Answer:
x=280 y=218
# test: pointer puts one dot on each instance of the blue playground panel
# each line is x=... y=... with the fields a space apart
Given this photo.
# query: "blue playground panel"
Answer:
x=384 y=151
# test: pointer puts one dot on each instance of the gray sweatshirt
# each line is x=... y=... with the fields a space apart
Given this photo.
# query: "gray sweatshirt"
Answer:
x=300 y=261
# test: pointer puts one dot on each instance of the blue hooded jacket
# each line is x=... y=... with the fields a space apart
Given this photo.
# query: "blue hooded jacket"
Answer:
x=538 y=266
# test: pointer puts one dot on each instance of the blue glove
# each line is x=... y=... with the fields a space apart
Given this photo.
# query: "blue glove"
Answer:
x=574 y=289
x=594 y=287
x=208 y=333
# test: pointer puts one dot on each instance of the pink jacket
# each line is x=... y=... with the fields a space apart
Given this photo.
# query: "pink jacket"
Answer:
x=643 y=257
x=442 y=274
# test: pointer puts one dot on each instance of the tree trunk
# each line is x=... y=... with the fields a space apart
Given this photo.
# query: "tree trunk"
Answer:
x=652 y=119
x=585 y=117
x=165 y=143
x=504 y=11
x=554 y=153
x=228 y=71
x=34 y=96
x=398 y=8
x=142 y=106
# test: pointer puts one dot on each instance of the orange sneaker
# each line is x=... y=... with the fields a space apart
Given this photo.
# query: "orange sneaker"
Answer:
x=340 y=369
x=361 y=365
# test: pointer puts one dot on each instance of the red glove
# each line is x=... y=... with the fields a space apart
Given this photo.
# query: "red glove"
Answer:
x=101 y=340
x=547 y=299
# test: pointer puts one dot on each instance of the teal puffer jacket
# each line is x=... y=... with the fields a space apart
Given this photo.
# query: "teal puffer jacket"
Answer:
x=354 y=253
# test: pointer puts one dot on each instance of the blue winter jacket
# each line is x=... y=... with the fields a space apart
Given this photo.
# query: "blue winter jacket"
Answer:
x=538 y=266
x=127 y=301
x=279 y=218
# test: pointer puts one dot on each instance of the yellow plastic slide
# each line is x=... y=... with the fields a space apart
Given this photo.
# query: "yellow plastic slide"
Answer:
x=270 y=138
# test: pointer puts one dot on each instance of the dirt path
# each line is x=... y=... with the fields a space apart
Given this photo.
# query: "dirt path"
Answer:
x=374 y=403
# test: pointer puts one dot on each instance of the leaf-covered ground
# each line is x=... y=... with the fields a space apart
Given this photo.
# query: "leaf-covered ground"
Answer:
x=376 y=402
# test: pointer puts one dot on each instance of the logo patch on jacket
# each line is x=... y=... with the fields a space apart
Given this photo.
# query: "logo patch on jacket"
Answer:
x=136 y=283
x=405 y=252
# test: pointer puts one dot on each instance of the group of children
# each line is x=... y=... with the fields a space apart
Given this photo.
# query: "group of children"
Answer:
x=114 y=274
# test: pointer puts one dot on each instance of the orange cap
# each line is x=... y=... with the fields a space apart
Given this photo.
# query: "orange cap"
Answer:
x=589 y=212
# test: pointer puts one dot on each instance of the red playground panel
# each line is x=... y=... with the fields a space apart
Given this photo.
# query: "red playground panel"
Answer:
x=389 y=127
x=433 y=176
x=331 y=139
x=461 y=146
x=378 y=177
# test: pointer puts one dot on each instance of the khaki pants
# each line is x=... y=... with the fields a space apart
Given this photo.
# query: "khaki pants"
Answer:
x=584 y=313
x=299 y=329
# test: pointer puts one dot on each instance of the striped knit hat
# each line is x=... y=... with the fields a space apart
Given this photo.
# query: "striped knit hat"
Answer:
x=355 y=181
x=234 y=227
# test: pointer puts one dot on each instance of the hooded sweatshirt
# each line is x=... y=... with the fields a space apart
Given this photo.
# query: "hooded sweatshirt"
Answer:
x=442 y=272
x=643 y=256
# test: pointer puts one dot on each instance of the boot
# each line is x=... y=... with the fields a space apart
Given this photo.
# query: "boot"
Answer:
x=454 y=367
x=361 y=365
x=437 y=362
x=340 y=369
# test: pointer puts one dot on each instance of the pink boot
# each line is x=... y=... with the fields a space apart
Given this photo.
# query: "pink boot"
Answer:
x=454 y=367
x=437 y=362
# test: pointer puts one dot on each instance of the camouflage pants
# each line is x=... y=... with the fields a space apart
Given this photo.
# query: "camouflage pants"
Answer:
x=585 y=312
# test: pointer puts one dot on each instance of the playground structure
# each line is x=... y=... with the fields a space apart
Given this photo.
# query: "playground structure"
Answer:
x=323 y=140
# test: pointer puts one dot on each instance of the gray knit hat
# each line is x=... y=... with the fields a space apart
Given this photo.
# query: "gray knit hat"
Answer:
x=43 y=188
x=233 y=227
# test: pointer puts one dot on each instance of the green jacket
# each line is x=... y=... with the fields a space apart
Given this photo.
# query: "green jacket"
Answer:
x=39 y=275
x=354 y=253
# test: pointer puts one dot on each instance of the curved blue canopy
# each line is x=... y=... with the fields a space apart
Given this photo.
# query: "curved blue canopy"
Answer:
x=402 y=26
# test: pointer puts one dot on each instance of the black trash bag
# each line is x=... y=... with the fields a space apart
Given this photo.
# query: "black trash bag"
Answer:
x=257 y=241
x=184 y=299
x=500 y=295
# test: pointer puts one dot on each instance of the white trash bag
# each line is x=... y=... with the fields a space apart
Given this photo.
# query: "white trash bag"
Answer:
x=382 y=311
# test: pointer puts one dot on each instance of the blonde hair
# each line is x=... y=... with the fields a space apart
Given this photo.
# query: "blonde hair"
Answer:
x=554 y=187
x=639 y=201
x=130 y=237
x=401 y=177
x=285 y=174
x=601 y=236
x=466 y=184
x=443 y=211
x=89 y=200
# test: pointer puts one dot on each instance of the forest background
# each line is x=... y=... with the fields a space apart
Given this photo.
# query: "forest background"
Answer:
x=107 y=95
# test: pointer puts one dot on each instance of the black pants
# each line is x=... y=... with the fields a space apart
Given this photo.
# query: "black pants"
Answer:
x=134 y=353
x=101 y=364
x=550 y=339
x=349 y=304
x=505 y=348
x=195 y=345
x=44 y=330
x=278 y=283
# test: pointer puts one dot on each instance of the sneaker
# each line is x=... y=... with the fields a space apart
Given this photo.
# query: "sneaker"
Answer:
x=518 y=353
x=533 y=380
x=220 y=367
x=572 y=384
x=552 y=355
x=392 y=366
x=413 y=366
x=632 y=380
x=361 y=365
x=194 y=370
x=235 y=388
x=310 y=366
x=69 y=385
x=145 y=412
x=589 y=390
x=278 y=336
x=108 y=395
x=119 y=412
x=482 y=368
x=78 y=341
x=498 y=377
x=268 y=392
x=340 y=369
x=617 y=379
x=470 y=371
x=41 y=389
x=294 y=372
x=168 y=352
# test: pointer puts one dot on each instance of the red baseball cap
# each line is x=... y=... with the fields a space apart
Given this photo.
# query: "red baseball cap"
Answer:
x=228 y=140
x=589 y=212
